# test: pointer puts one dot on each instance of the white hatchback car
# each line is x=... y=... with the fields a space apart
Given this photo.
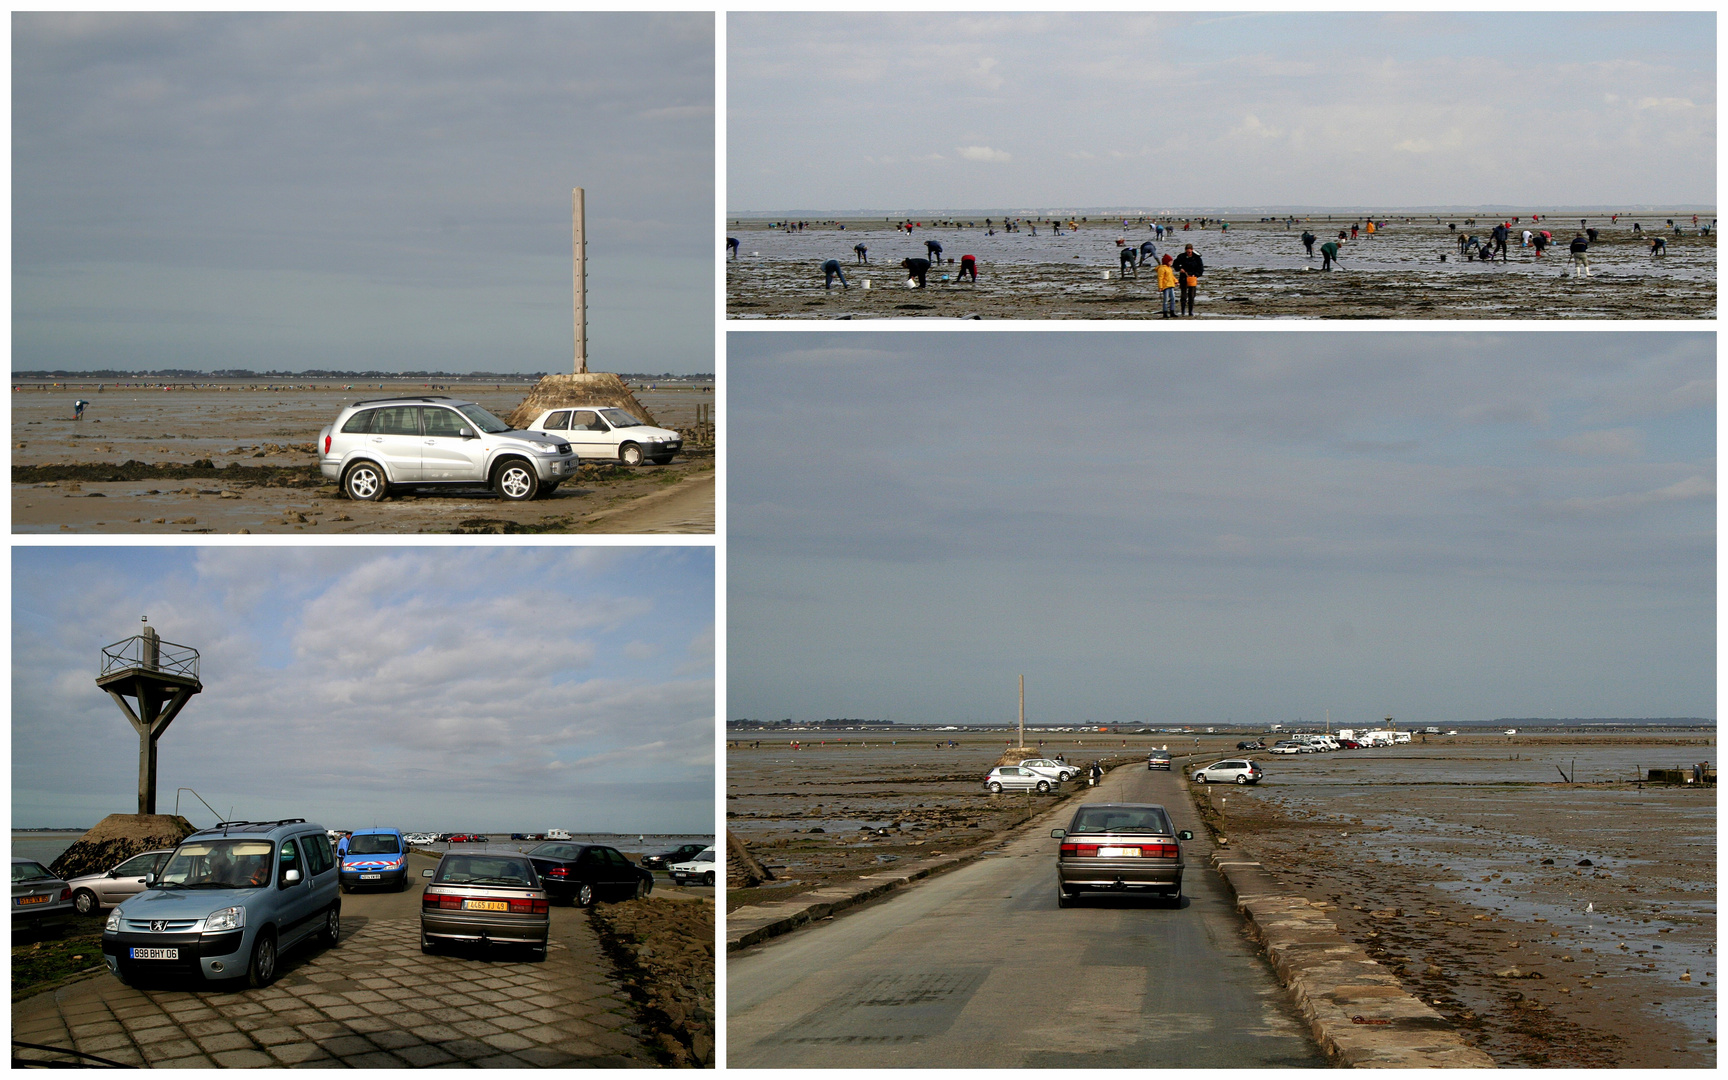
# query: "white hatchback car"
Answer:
x=1055 y=770
x=699 y=870
x=608 y=434
x=1014 y=778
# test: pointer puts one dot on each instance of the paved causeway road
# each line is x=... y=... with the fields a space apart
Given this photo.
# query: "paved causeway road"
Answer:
x=979 y=967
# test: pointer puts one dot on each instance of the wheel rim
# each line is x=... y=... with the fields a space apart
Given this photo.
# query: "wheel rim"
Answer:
x=335 y=926
x=515 y=482
x=265 y=965
x=585 y=896
x=632 y=455
x=84 y=902
x=362 y=483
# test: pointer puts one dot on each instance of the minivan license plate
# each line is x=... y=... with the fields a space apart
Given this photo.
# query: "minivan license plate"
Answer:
x=370 y=877
x=1119 y=852
x=155 y=954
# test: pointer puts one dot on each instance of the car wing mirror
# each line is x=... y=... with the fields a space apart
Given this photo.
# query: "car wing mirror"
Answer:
x=1184 y=835
x=290 y=877
x=466 y=433
x=149 y=879
x=425 y=873
x=1057 y=834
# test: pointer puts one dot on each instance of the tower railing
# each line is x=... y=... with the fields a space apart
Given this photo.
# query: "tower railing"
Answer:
x=152 y=654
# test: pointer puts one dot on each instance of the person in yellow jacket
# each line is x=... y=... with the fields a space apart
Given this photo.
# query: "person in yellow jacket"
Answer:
x=1167 y=285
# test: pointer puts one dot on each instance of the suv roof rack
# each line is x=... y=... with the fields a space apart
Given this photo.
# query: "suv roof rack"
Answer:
x=408 y=397
x=226 y=825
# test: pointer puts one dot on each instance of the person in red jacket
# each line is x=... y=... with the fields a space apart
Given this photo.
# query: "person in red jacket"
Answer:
x=968 y=268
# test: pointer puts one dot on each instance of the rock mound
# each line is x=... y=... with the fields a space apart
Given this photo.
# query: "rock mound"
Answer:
x=589 y=390
x=117 y=838
x=743 y=871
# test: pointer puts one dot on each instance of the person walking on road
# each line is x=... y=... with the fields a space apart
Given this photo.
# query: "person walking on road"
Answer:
x=1188 y=267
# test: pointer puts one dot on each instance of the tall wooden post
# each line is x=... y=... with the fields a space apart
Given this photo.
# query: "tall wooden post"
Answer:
x=578 y=245
x=1022 y=710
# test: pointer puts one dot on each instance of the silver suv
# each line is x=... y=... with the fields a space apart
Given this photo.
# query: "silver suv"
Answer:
x=228 y=902
x=439 y=441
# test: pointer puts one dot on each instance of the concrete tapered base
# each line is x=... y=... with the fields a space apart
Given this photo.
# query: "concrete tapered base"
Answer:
x=117 y=838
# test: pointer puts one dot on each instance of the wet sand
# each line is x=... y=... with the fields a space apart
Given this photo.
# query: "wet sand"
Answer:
x=1253 y=271
x=238 y=456
x=1451 y=835
x=1455 y=863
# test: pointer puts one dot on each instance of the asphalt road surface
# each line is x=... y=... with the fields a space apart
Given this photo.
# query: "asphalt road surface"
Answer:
x=979 y=967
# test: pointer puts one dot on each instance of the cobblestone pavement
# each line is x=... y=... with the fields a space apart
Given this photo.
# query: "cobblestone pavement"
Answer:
x=374 y=1001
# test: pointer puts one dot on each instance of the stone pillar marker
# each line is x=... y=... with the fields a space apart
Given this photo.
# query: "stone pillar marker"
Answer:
x=579 y=274
x=160 y=677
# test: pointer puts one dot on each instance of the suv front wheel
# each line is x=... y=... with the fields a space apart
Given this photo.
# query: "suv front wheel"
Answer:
x=364 y=482
x=262 y=971
x=515 y=480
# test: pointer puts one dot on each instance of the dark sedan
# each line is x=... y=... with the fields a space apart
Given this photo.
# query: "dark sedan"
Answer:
x=1257 y=744
x=584 y=873
x=665 y=859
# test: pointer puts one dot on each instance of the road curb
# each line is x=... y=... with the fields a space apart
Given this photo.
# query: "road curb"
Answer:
x=1360 y=1014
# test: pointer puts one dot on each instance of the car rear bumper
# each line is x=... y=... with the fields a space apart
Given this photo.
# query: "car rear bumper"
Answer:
x=1152 y=875
x=470 y=926
x=331 y=468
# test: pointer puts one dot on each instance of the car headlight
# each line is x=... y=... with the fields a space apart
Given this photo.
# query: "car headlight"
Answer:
x=232 y=918
x=548 y=448
x=113 y=924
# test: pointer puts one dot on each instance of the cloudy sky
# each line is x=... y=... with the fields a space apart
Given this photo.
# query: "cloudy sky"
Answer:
x=912 y=111
x=501 y=688
x=360 y=191
x=1199 y=527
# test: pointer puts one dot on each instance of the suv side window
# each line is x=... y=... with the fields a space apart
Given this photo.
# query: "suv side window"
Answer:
x=402 y=420
x=445 y=423
x=585 y=420
x=360 y=423
x=558 y=421
x=318 y=857
x=288 y=860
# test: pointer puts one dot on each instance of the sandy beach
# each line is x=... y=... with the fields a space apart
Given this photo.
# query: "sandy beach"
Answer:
x=231 y=456
x=1254 y=270
x=1431 y=856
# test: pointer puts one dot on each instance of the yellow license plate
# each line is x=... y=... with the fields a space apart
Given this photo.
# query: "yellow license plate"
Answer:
x=32 y=899
x=485 y=905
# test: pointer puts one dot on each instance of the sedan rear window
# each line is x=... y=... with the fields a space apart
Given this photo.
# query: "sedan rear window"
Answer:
x=1121 y=819
x=29 y=871
x=555 y=851
x=485 y=870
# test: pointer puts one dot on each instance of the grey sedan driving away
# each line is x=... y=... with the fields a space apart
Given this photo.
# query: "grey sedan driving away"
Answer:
x=1122 y=848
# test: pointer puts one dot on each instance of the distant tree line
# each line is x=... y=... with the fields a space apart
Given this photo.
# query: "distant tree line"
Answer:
x=322 y=373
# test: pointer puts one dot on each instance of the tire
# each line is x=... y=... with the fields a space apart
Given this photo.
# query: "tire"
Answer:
x=332 y=932
x=1240 y=779
x=663 y=459
x=515 y=480
x=402 y=886
x=708 y=879
x=1175 y=898
x=630 y=454
x=261 y=972
x=1043 y=786
x=1064 y=898
x=427 y=947
x=547 y=489
x=995 y=788
x=343 y=885
x=641 y=889
x=365 y=482
x=584 y=895
x=85 y=903
x=1200 y=778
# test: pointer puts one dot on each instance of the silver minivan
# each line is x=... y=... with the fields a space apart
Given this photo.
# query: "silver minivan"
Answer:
x=439 y=441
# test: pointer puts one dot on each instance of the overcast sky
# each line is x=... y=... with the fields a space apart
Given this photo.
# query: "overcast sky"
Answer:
x=361 y=191
x=912 y=111
x=1199 y=527
x=498 y=689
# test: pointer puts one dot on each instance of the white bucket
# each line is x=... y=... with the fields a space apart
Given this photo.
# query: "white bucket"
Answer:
x=866 y=283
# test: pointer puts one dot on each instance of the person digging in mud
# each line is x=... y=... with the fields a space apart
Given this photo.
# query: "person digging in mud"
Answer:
x=1658 y=246
x=1328 y=254
x=862 y=253
x=968 y=268
x=1148 y=252
x=830 y=271
x=1540 y=242
x=933 y=250
x=731 y=247
x=1580 y=255
x=78 y=409
x=1127 y=257
x=1499 y=236
x=1308 y=239
x=916 y=268
x=1188 y=267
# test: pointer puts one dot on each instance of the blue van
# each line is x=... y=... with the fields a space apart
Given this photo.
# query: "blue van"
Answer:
x=376 y=858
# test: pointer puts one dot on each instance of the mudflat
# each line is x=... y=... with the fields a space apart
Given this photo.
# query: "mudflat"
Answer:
x=1429 y=855
x=233 y=456
x=1254 y=270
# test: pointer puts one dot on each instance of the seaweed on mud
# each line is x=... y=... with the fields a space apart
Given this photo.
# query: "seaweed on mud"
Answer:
x=299 y=476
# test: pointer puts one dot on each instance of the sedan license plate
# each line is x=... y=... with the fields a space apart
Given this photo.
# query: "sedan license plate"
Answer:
x=485 y=905
x=370 y=877
x=155 y=954
x=1119 y=853
x=32 y=899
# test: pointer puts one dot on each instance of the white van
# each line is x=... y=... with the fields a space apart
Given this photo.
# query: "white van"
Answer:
x=558 y=834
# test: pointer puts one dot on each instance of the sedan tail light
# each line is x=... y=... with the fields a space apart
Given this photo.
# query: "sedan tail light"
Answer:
x=440 y=900
x=527 y=906
x=66 y=894
x=558 y=872
x=1084 y=851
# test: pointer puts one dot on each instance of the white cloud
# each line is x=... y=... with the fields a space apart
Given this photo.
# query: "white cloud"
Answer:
x=1620 y=442
x=982 y=153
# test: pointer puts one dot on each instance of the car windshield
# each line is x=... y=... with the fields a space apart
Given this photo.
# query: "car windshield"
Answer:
x=556 y=851
x=218 y=864
x=1121 y=819
x=374 y=844
x=29 y=871
x=485 y=870
x=619 y=418
x=483 y=420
